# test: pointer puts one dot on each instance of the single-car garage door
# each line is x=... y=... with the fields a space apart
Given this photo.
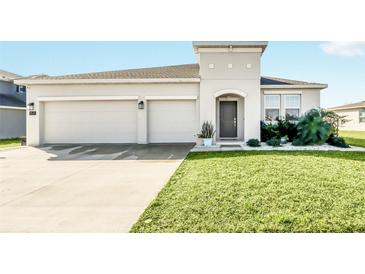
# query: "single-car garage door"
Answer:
x=171 y=121
x=90 y=122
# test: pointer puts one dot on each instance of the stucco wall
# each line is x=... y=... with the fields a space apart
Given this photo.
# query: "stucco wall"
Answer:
x=353 y=116
x=12 y=123
x=240 y=78
x=35 y=123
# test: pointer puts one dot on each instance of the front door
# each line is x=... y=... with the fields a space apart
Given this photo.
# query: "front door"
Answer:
x=228 y=119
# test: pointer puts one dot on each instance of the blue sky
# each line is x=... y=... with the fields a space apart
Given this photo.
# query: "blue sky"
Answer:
x=341 y=66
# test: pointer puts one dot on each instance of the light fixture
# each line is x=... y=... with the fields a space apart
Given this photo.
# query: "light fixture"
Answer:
x=31 y=106
x=140 y=105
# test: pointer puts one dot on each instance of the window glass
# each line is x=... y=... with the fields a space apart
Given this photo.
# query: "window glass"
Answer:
x=292 y=101
x=272 y=101
x=271 y=114
x=292 y=114
x=362 y=116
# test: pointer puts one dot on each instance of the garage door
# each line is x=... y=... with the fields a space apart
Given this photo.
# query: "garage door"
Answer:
x=90 y=122
x=171 y=121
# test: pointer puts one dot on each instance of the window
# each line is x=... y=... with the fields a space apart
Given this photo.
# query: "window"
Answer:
x=362 y=116
x=292 y=107
x=272 y=107
x=20 y=89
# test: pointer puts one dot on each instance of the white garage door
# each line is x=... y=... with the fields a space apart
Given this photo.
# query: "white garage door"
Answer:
x=171 y=121
x=90 y=122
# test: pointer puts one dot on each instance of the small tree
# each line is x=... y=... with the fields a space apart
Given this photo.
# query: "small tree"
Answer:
x=334 y=120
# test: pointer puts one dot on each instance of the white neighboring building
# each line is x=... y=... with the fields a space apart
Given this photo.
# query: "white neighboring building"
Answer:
x=12 y=106
x=355 y=113
x=166 y=104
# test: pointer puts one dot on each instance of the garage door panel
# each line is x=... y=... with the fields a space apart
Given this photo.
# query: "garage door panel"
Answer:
x=171 y=121
x=90 y=122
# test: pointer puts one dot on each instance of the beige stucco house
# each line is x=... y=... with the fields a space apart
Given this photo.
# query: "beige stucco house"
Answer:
x=12 y=106
x=354 y=114
x=166 y=104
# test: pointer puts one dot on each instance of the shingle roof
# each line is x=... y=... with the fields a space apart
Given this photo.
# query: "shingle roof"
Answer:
x=7 y=76
x=350 y=106
x=165 y=72
x=9 y=101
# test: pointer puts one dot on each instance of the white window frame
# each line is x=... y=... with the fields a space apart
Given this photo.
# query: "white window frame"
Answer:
x=362 y=115
x=285 y=105
x=265 y=107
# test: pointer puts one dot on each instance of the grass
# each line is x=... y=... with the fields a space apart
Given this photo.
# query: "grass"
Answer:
x=13 y=142
x=355 y=138
x=261 y=192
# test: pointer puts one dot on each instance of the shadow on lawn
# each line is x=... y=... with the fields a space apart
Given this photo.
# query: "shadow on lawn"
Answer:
x=354 y=156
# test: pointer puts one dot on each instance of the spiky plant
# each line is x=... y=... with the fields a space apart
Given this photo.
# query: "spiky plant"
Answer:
x=312 y=128
x=207 y=130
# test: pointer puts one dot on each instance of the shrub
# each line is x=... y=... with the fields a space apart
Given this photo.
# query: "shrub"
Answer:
x=334 y=120
x=274 y=142
x=312 y=129
x=253 y=143
x=337 y=141
x=268 y=131
x=287 y=128
x=207 y=130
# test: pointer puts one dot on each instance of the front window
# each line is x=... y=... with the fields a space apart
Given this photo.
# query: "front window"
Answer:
x=272 y=107
x=21 y=89
x=362 y=116
x=292 y=107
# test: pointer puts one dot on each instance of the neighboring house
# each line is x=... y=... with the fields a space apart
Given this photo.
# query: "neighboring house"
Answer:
x=12 y=106
x=355 y=114
x=166 y=104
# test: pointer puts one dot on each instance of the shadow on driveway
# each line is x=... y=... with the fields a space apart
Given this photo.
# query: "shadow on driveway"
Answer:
x=67 y=152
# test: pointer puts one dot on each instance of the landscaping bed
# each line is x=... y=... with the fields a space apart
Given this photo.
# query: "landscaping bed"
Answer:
x=257 y=191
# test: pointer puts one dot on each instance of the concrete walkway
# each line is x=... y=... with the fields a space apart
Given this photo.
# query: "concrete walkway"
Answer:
x=82 y=188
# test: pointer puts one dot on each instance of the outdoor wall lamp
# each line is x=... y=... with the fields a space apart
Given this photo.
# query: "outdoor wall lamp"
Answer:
x=31 y=106
x=140 y=105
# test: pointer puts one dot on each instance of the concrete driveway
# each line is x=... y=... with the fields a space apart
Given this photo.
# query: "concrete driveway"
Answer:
x=82 y=188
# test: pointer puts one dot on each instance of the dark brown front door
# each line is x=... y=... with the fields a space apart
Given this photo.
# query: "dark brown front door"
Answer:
x=228 y=119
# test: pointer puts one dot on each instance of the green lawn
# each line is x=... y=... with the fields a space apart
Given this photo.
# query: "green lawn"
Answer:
x=261 y=192
x=355 y=138
x=13 y=142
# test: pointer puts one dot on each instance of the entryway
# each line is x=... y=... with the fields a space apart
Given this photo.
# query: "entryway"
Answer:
x=228 y=119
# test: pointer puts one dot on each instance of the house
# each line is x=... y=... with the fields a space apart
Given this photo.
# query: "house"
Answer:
x=166 y=104
x=12 y=106
x=354 y=114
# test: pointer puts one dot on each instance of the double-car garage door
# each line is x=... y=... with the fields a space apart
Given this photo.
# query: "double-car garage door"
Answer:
x=168 y=121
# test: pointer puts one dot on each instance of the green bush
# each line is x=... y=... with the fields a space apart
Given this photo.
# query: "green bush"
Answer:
x=268 y=131
x=253 y=143
x=274 y=142
x=312 y=129
x=337 y=141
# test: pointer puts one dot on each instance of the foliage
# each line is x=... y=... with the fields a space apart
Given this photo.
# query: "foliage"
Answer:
x=312 y=129
x=10 y=142
x=281 y=128
x=268 y=131
x=274 y=142
x=207 y=130
x=253 y=143
x=334 y=120
x=260 y=191
x=337 y=141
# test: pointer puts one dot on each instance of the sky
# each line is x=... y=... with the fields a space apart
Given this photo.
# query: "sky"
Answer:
x=341 y=65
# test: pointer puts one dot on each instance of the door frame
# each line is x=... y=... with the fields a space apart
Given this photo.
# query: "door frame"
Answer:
x=229 y=99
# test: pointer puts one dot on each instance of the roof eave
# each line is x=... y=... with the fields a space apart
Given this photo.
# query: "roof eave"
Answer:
x=311 y=86
x=104 y=81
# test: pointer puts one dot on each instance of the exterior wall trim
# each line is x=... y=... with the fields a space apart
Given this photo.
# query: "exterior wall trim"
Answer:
x=171 y=97
x=312 y=86
x=230 y=91
x=87 y=98
x=15 y=108
x=282 y=92
x=105 y=81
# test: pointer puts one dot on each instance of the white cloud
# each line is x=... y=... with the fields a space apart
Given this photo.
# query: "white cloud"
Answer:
x=344 y=48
